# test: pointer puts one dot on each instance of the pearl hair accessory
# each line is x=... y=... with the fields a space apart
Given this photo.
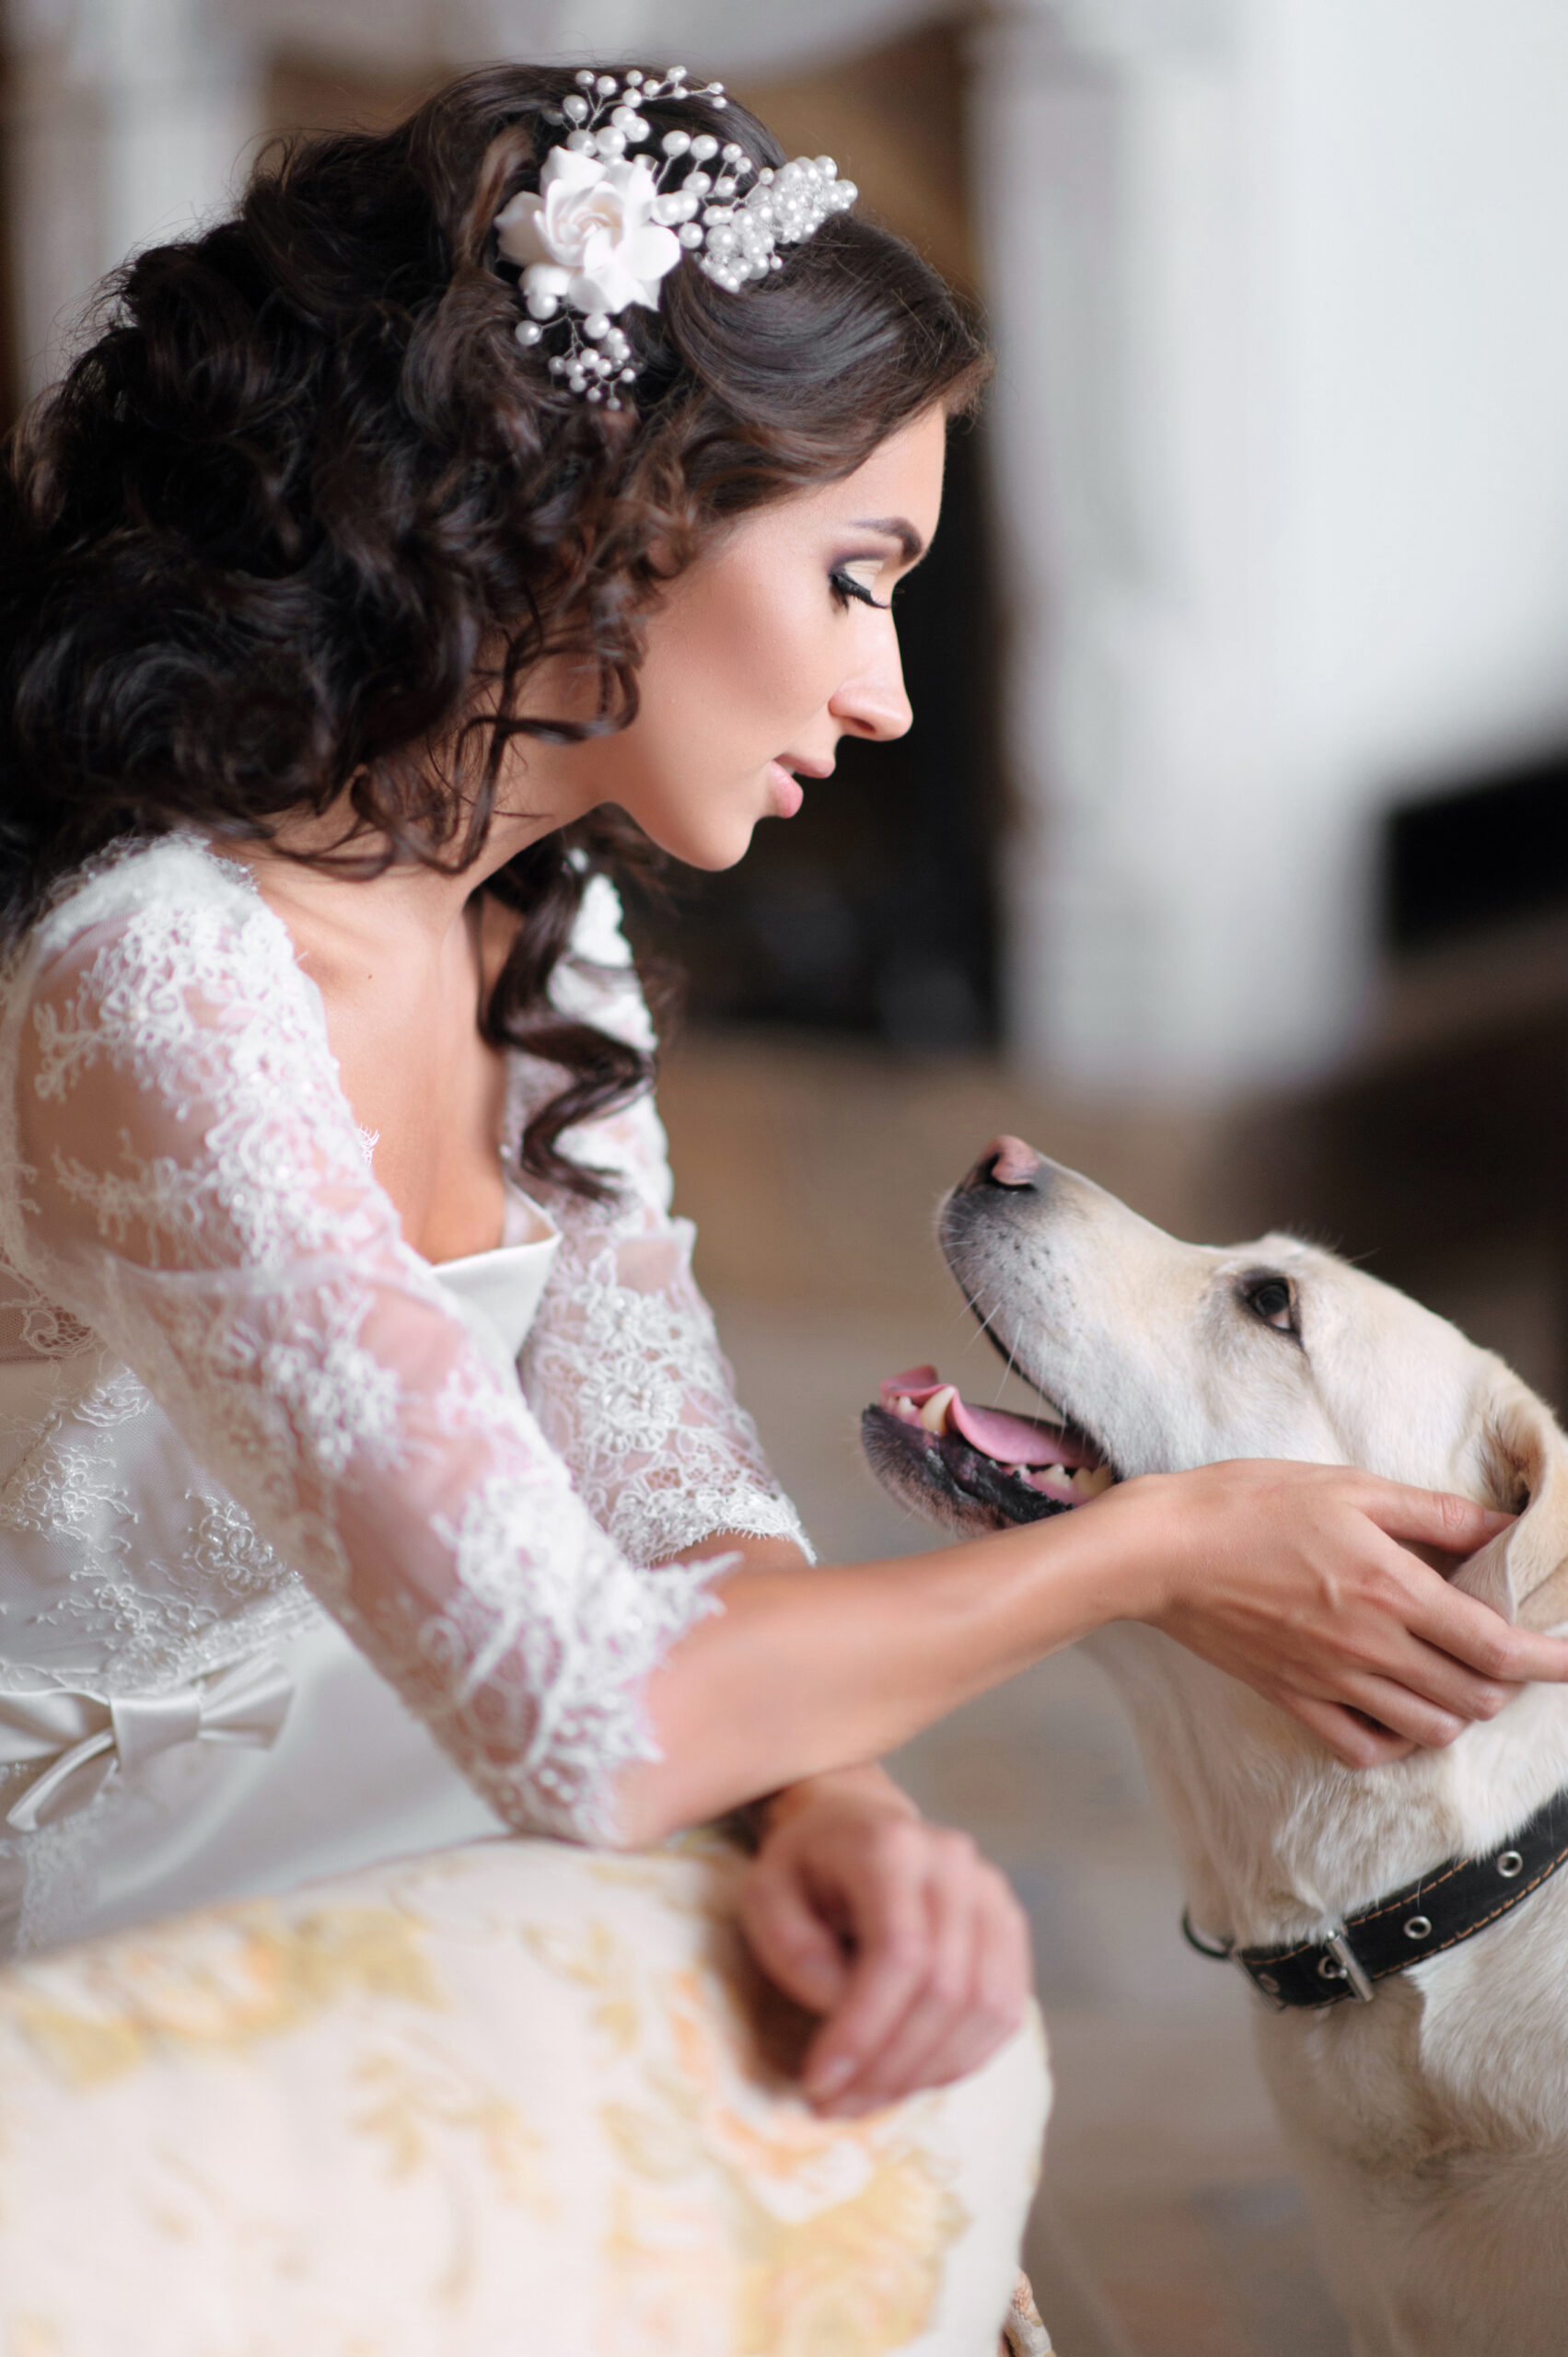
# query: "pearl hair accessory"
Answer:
x=607 y=226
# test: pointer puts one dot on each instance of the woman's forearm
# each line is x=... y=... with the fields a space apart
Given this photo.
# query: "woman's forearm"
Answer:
x=1292 y=1577
x=811 y=1668
x=867 y=1787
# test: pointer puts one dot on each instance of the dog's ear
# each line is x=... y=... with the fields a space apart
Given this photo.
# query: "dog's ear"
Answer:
x=1524 y=1470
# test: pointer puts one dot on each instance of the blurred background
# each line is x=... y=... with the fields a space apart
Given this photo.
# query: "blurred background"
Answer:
x=1228 y=859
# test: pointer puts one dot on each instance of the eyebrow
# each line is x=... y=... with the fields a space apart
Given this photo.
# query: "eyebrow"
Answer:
x=893 y=527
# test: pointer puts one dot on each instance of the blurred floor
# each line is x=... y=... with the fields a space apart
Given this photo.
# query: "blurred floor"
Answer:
x=1169 y=2223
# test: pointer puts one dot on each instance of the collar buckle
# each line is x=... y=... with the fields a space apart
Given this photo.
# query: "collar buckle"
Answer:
x=1340 y=1962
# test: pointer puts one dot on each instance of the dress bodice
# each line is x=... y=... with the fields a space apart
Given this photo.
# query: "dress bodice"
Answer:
x=498 y=1292
x=236 y=1408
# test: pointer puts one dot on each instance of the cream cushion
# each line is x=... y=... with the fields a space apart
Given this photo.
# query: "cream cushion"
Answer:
x=512 y=2098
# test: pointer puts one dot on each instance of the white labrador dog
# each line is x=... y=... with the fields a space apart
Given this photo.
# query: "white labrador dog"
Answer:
x=1429 y=2124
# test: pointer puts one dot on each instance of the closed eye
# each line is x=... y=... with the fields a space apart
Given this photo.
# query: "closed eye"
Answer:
x=1272 y=1300
x=847 y=583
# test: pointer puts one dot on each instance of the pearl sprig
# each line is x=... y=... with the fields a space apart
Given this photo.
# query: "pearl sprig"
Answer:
x=784 y=208
x=732 y=232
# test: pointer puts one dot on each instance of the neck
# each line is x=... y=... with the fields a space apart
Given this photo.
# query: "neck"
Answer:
x=542 y=787
x=296 y=870
x=1276 y=1835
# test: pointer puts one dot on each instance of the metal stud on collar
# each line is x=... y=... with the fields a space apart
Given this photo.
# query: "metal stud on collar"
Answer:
x=1346 y=1967
x=1443 y=1906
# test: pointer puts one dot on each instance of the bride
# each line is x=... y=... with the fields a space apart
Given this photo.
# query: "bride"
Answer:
x=485 y=504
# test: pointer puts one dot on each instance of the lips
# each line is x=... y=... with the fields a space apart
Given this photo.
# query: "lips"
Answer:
x=1057 y=1461
x=788 y=791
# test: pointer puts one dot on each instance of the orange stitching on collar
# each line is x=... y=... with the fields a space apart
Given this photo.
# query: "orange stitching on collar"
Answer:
x=1290 y=1956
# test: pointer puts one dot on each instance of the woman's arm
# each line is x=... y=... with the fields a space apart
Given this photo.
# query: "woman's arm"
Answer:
x=197 y=1194
x=897 y=1931
x=1287 y=1576
x=910 y=1944
x=1290 y=1576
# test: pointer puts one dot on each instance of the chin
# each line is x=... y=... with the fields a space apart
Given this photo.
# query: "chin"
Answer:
x=710 y=849
x=713 y=861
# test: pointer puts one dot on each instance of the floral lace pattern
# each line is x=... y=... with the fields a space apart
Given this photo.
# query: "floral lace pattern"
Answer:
x=187 y=1203
x=622 y=1363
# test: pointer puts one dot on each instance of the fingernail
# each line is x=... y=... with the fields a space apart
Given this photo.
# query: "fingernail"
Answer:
x=853 y=2106
x=830 y=2077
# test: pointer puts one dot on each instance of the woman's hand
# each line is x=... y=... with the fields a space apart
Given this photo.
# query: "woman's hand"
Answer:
x=1293 y=1577
x=911 y=1946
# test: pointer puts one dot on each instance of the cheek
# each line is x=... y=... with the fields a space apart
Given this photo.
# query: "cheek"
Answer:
x=741 y=662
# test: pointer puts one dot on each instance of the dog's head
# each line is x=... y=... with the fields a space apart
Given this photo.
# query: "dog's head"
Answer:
x=1157 y=1356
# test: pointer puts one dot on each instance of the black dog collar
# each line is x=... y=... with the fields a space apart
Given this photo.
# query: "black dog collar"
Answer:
x=1452 y=1903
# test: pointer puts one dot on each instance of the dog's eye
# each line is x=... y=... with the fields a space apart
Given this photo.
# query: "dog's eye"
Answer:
x=1271 y=1299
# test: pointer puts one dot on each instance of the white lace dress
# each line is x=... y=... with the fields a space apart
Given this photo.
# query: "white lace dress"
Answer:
x=293 y=1577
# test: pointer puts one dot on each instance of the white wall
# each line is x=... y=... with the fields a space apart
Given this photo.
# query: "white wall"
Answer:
x=1283 y=433
x=128 y=120
x=1281 y=429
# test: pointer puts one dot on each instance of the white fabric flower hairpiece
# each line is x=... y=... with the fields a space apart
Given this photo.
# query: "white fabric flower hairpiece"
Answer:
x=607 y=227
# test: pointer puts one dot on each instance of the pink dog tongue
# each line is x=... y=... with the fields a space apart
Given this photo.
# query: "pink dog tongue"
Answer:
x=1010 y=1440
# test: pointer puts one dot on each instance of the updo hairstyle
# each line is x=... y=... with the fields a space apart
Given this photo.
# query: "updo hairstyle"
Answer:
x=301 y=521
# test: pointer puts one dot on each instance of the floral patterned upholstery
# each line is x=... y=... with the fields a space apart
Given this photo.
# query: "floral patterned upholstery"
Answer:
x=513 y=2098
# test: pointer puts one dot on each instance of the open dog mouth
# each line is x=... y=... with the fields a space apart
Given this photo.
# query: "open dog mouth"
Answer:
x=1020 y=1468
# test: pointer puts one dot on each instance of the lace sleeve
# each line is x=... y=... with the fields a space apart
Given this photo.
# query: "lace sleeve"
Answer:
x=624 y=1367
x=199 y=1195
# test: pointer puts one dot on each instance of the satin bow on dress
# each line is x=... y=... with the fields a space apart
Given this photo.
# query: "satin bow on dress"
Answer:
x=87 y=1739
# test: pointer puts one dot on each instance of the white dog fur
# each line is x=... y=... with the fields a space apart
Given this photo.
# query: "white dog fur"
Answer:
x=1431 y=2127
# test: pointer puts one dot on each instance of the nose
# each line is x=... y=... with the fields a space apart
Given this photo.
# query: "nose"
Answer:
x=876 y=704
x=1006 y=1162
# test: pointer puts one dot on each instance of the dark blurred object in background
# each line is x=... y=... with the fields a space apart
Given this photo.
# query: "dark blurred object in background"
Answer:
x=1480 y=855
x=872 y=911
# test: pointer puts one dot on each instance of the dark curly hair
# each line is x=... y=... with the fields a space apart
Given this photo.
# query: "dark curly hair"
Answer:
x=304 y=507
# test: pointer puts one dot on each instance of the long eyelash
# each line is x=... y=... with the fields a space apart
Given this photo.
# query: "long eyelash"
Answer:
x=847 y=586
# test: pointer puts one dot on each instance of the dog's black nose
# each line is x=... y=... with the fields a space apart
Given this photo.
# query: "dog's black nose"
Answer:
x=1006 y=1162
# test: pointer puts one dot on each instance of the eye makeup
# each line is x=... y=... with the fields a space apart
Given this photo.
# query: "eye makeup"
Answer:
x=847 y=583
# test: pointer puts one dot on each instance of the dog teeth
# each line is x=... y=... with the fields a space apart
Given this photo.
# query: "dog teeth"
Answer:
x=934 y=1415
x=1073 y=1487
x=1068 y=1485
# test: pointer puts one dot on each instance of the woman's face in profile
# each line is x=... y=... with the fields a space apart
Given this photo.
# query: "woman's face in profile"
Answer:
x=777 y=642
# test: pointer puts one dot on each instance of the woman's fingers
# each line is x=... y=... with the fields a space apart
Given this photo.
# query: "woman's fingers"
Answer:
x=789 y=1936
x=940 y=1968
x=1471 y=1633
x=891 y=1934
x=1437 y=1699
x=1458 y=1624
x=967 y=2033
x=1401 y=1683
x=1308 y=1582
x=971 y=1994
x=1455 y=1526
x=1447 y=1649
x=1396 y=1711
x=940 y=1994
x=1356 y=1740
